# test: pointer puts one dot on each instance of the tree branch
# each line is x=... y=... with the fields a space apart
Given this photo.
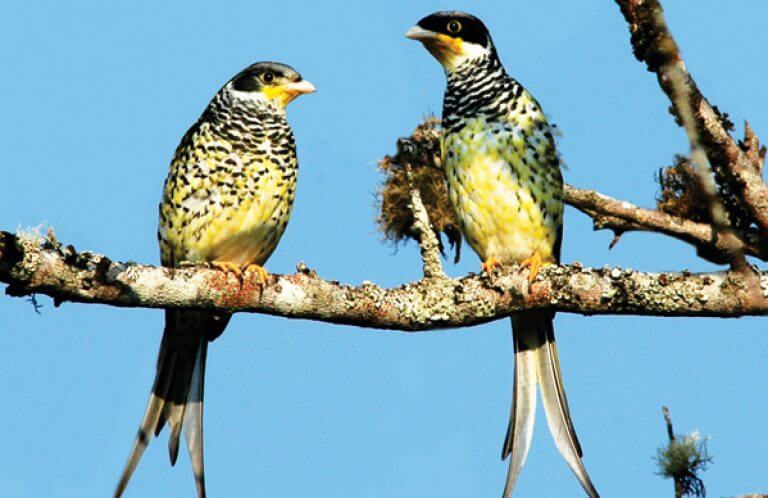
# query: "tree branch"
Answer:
x=32 y=265
x=737 y=167
x=622 y=216
x=428 y=242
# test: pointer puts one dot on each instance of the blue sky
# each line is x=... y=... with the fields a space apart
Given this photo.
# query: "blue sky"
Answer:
x=95 y=99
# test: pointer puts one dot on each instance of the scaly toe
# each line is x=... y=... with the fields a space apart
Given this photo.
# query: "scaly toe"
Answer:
x=490 y=264
x=261 y=274
x=228 y=267
x=534 y=264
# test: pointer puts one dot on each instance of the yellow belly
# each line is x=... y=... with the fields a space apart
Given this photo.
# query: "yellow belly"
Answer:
x=505 y=208
x=244 y=234
x=232 y=222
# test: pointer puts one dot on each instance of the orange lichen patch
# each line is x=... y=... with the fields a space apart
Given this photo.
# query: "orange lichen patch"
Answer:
x=238 y=288
x=234 y=293
x=259 y=272
x=255 y=283
x=237 y=299
x=538 y=291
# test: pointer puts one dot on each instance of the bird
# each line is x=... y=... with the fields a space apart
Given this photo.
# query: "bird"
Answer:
x=226 y=203
x=505 y=184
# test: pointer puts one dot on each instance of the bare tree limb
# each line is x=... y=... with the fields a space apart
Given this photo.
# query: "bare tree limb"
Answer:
x=681 y=90
x=749 y=174
x=737 y=168
x=32 y=266
x=622 y=216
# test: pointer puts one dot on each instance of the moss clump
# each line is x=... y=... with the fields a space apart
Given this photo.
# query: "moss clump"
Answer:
x=420 y=152
x=683 y=460
x=681 y=192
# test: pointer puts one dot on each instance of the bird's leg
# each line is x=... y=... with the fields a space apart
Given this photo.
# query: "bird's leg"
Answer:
x=228 y=267
x=489 y=265
x=261 y=274
x=533 y=263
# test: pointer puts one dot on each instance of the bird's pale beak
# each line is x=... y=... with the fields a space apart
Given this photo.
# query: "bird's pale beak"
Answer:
x=420 y=34
x=444 y=48
x=290 y=91
x=300 y=87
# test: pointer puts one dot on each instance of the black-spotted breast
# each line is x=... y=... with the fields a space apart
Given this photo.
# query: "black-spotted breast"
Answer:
x=226 y=202
x=504 y=181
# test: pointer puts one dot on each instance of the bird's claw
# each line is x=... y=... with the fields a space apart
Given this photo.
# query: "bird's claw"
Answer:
x=261 y=274
x=228 y=267
x=534 y=263
x=490 y=264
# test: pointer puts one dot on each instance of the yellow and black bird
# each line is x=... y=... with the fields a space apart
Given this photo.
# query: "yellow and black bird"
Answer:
x=226 y=202
x=505 y=184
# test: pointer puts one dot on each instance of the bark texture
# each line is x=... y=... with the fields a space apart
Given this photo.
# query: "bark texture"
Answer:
x=31 y=265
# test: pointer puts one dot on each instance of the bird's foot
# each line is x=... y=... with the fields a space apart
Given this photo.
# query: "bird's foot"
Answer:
x=261 y=274
x=228 y=267
x=534 y=263
x=490 y=264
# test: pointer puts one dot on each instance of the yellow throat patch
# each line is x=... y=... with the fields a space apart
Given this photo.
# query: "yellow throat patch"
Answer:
x=445 y=49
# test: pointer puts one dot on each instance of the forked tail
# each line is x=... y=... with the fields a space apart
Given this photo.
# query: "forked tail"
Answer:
x=177 y=394
x=536 y=362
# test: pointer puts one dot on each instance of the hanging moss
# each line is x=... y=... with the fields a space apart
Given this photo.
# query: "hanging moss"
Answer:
x=420 y=152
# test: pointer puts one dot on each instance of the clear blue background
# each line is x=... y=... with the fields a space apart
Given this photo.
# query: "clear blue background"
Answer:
x=94 y=101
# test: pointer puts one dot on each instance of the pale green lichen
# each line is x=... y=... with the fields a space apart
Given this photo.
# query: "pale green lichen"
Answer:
x=683 y=460
x=31 y=235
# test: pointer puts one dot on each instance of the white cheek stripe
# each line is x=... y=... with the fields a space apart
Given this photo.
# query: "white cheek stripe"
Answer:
x=471 y=51
x=240 y=95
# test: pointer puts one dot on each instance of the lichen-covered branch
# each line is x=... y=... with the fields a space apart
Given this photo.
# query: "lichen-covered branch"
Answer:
x=425 y=234
x=32 y=266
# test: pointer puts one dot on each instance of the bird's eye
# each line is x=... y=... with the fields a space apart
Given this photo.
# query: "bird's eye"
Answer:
x=268 y=77
x=454 y=26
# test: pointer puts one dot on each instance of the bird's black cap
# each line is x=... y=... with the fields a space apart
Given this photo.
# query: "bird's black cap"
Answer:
x=458 y=24
x=252 y=77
